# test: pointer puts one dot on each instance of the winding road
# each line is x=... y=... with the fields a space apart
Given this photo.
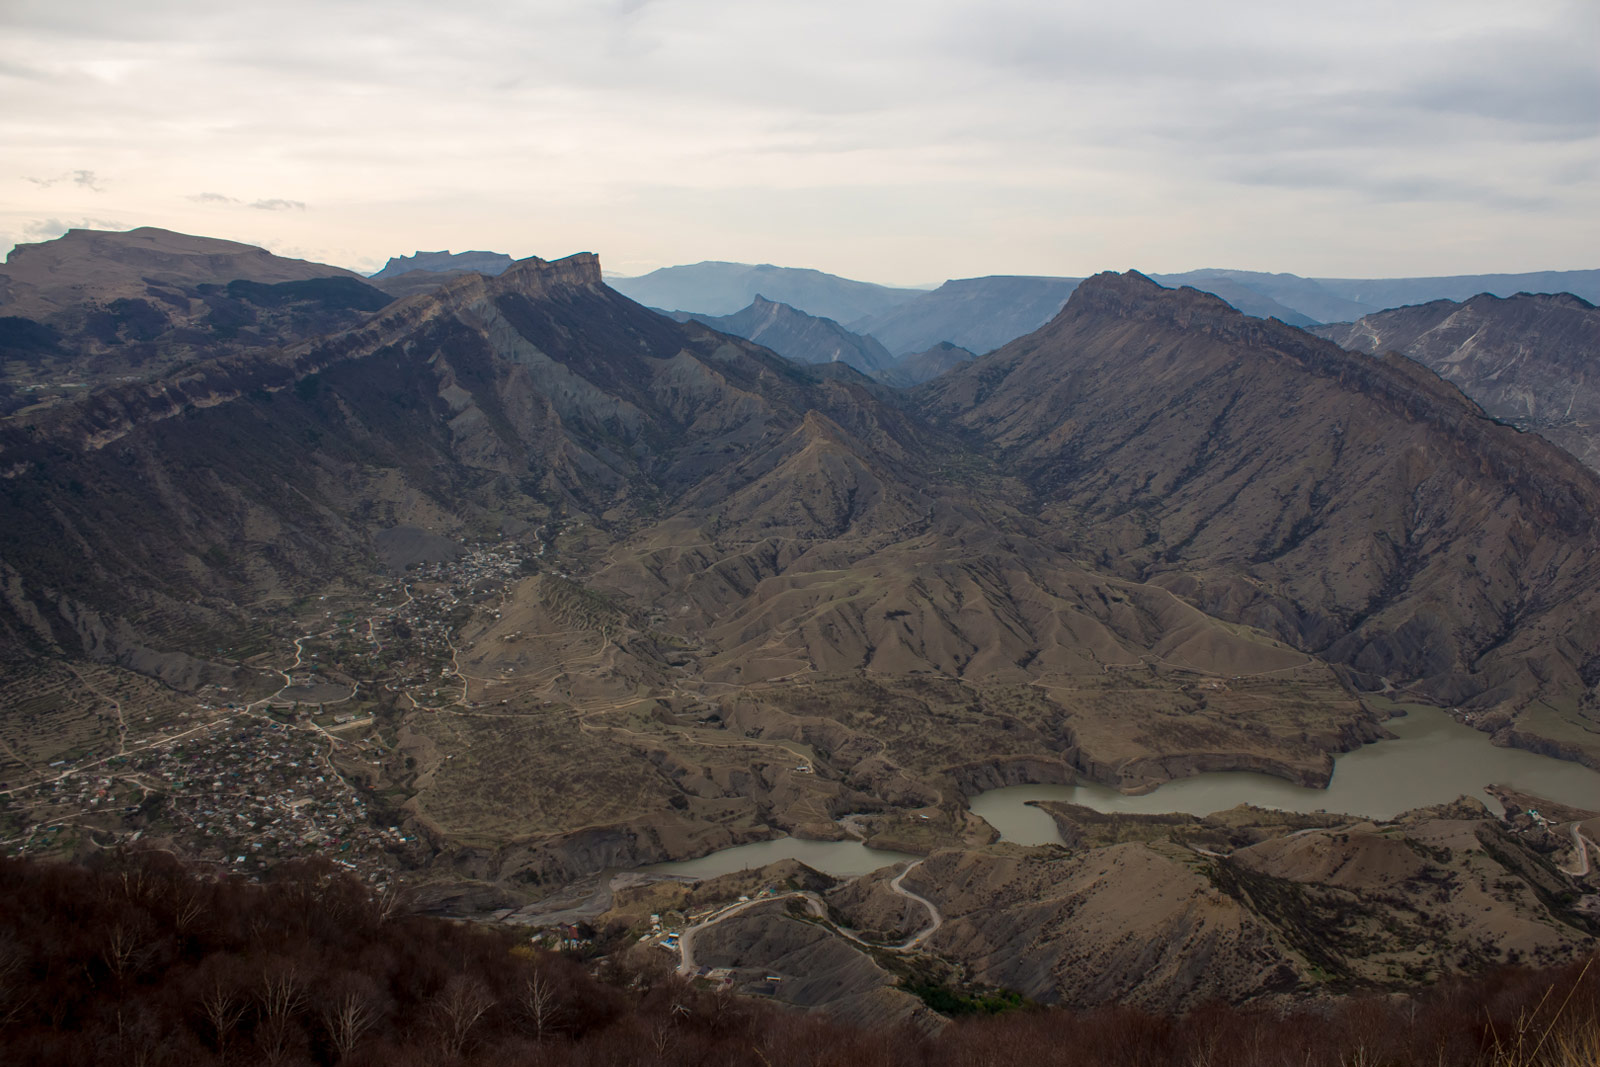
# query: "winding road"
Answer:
x=1583 y=845
x=935 y=919
x=686 y=964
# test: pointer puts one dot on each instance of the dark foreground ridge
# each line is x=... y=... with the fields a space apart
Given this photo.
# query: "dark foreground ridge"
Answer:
x=138 y=960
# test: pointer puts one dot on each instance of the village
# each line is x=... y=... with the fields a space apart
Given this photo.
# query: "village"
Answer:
x=244 y=796
x=243 y=785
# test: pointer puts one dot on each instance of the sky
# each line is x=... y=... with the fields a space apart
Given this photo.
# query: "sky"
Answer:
x=891 y=141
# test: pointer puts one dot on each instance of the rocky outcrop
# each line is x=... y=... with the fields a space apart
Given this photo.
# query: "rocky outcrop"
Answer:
x=1527 y=359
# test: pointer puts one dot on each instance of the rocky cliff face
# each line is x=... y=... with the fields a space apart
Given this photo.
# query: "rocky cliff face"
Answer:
x=1530 y=360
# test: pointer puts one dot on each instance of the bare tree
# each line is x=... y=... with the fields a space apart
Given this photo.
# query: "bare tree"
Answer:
x=389 y=901
x=349 y=1011
x=457 y=1008
x=539 y=1004
x=127 y=947
x=223 y=1007
x=280 y=994
x=661 y=1037
x=188 y=906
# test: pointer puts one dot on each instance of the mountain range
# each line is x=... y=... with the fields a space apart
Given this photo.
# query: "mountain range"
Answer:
x=559 y=585
x=716 y=288
x=1019 y=305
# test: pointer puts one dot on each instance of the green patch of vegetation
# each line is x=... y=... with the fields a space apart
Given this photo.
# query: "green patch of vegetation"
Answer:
x=948 y=1001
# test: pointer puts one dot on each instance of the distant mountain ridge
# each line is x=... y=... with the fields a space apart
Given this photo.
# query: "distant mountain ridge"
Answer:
x=490 y=263
x=982 y=314
x=717 y=288
x=796 y=335
x=1344 y=299
x=919 y=367
x=978 y=314
x=1528 y=359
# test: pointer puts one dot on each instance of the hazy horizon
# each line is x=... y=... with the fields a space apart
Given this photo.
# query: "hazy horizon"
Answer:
x=894 y=142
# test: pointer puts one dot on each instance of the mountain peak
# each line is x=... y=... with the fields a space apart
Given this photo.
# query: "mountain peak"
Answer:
x=581 y=269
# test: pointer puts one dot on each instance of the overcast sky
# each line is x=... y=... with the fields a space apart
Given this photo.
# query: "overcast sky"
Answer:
x=887 y=140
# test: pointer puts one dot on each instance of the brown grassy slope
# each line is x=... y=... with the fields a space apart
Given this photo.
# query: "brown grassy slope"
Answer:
x=1179 y=910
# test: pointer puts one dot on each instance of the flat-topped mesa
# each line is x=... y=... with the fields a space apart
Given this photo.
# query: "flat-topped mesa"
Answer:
x=445 y=261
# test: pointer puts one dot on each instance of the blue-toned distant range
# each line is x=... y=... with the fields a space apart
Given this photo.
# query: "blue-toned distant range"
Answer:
x=904 y=336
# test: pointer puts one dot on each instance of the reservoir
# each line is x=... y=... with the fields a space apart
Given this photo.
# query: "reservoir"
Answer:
x=1432 y=760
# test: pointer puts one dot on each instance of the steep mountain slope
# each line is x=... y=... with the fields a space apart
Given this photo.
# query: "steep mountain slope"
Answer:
x=715 y=288
x=445 y=262
x=541 y=387
x=1527 y=359
x=978 y=314
x=803 y=338
x=1359 y=509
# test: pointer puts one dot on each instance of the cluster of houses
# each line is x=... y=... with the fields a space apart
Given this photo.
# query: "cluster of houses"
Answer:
x=245 y=795
x=258 y=793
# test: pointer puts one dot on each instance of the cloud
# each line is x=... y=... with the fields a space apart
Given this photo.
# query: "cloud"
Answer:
x=273 y=204
x=50 y=229
x=86 y=179
x=1071 y=132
